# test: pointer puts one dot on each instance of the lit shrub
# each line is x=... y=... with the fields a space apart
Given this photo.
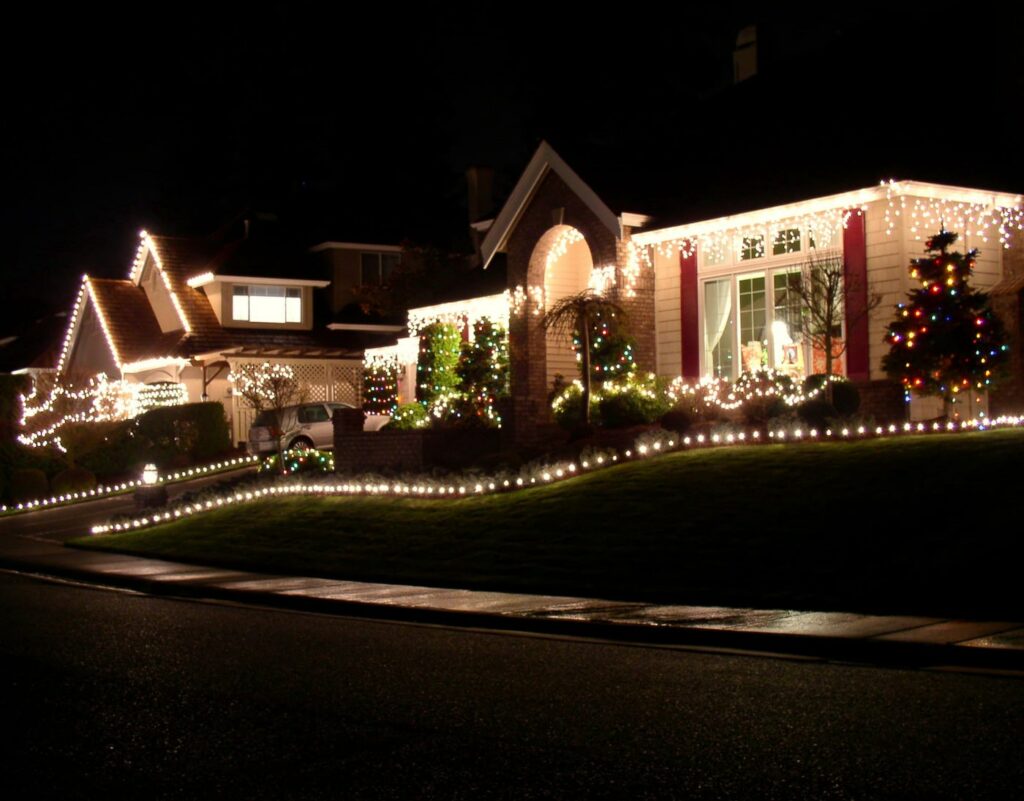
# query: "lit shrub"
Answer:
x=634 y=401
x=299 y=460
x=407 y=417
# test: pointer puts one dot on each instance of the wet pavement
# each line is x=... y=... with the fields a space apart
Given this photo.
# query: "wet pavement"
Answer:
x=34 y=543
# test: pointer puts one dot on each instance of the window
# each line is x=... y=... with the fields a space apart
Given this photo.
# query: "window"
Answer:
x=786 y=241
x=753 y=321
x=376 y=268
x=262 y=303
x=719 y=327
x=313 y=414
x=787 y=308
x=752 y=247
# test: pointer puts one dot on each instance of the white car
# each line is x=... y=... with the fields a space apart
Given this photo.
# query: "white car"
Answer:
x=306 y=425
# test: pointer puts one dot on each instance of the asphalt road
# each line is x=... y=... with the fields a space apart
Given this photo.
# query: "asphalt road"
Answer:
x=110 y=694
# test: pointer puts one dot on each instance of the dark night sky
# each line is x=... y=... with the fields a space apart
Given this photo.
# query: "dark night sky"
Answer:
x=360 y=126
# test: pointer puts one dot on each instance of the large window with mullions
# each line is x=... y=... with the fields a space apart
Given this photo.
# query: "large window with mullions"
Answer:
x=752 y=321
x=750 y=297
x=261 y=303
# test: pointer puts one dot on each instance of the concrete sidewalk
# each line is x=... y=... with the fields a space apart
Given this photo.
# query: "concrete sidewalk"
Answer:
x=878 y=639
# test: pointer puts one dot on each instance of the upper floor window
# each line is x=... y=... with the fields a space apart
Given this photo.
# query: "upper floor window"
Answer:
x=262 y=303
x=376 y=268
x=751 y=247
x=786 y=241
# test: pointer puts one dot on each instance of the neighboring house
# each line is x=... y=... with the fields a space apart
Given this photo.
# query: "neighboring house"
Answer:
x=351 y=264
x=714 y=296
x=192 y=310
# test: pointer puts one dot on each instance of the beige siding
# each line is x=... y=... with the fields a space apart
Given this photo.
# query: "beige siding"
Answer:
x=887 y=277
x=889 y=257
x=667 y=322
x=567 y=276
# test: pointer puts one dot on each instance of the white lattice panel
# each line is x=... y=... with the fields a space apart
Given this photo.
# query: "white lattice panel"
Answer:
x=346 y=384
x=313 y=379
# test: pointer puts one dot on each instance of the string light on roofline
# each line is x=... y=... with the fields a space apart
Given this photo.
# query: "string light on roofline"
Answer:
x=462 y=313
x=925 y=215
x=147 y=244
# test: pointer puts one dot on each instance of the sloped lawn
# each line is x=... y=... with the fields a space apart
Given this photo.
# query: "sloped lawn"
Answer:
x=913 y=524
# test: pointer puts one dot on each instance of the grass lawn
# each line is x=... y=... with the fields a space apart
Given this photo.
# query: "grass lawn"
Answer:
x=925 y=524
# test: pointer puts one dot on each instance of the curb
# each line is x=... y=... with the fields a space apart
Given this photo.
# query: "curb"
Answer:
x=885 y=653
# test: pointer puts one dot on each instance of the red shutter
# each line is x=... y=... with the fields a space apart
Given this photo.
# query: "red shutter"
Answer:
x=855 y=253
x=689 y=313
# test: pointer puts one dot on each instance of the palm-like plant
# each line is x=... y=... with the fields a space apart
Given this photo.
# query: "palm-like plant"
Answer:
x=576 y=313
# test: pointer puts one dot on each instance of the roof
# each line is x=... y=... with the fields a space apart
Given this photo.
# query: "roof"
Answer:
x=129 y=322
x=181 y=259
x=544 y=160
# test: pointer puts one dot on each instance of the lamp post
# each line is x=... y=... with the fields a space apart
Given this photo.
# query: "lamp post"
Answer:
x=150 y=493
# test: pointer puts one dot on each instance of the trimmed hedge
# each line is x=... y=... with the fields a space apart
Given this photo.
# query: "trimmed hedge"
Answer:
x=196 y=430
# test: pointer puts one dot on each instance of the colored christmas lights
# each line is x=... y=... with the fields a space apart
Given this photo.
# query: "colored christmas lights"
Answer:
x=380 y=386
x=946 y=340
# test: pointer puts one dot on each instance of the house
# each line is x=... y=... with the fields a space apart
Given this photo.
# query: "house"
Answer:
x=713 y=297
x=191 y=310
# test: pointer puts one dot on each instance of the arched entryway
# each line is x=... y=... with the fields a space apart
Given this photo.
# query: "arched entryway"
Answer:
x=563 y=257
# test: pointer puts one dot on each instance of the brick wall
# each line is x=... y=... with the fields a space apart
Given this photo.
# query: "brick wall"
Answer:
x=358 y=451
x=640 y=307
x=555 y=203
x=883 y=400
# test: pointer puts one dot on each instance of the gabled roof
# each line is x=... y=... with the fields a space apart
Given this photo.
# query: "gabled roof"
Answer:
x=181 y=259
x=132 y=330
x=545 y=160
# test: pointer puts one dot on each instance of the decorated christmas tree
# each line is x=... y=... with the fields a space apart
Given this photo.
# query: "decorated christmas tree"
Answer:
x=380 y=387
x=611 y=350
x=437 y=378
x=483 y=371
x=945 y=340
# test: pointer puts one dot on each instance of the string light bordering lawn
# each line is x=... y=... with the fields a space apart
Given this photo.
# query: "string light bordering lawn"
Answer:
x=645 y=447
x=127 y=486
